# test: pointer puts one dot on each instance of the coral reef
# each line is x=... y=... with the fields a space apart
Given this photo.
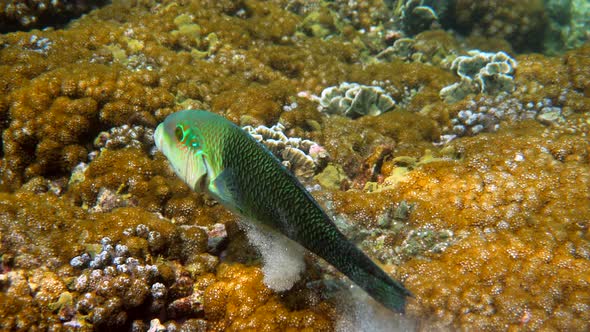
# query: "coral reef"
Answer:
x=417 y=16
x=111 y=281
x=481 y=72
x=136 y=137
x=432 y=47
x=500 y=250
x=332 y=177
x=362 y=14
x=480 y=207
x=354 y=100
x=487 y=208
x=301 y=156
x=521 y=22
x=485 y=114
x=568 y=25
x=551 y=26
x=239 y=300
x=69 y=108
x=26 y=15
x=321 y=22
x=393 y=241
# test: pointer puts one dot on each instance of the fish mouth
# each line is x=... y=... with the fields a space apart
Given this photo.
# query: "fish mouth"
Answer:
x=193 y=169
x=158 y=137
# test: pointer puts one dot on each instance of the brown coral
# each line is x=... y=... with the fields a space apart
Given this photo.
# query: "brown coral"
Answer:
x=500 y=210
x=239 y=300
x=54 y=118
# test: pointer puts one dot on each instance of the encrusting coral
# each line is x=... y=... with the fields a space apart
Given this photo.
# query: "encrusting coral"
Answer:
x=501 y=218
x=495 y=229
x=239 y=300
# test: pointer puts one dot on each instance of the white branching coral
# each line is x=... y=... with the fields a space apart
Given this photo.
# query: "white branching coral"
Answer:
x=484 y=72
x=300 y=156
x=355 y=100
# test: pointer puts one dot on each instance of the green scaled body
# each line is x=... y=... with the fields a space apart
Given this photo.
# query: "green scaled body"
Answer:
x=213 y=155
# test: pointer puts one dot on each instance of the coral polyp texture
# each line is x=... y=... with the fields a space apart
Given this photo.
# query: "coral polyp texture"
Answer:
x=478 y=201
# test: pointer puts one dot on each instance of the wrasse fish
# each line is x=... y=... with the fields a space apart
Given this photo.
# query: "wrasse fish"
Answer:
x=213 y=155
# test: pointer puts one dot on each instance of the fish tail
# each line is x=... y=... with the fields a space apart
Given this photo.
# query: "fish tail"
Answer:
x=370 y=277
x=386 y=291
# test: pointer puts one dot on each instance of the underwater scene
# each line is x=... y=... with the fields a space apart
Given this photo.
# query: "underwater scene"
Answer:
x=295 y=165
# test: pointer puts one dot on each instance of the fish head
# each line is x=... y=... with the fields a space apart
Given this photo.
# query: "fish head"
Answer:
x=181 y=140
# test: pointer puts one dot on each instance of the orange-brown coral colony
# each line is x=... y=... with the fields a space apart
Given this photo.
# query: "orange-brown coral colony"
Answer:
x=514 y=204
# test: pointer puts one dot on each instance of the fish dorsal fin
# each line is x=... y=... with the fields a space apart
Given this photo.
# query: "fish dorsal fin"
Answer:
x=225 y=189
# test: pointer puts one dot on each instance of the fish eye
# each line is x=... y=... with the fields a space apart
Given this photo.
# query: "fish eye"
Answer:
x=179 y=133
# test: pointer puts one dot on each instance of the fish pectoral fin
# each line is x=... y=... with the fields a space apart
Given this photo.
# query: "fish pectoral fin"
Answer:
x=225 y=189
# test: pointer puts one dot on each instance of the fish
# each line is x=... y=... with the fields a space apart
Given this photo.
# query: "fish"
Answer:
x=215 y=156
